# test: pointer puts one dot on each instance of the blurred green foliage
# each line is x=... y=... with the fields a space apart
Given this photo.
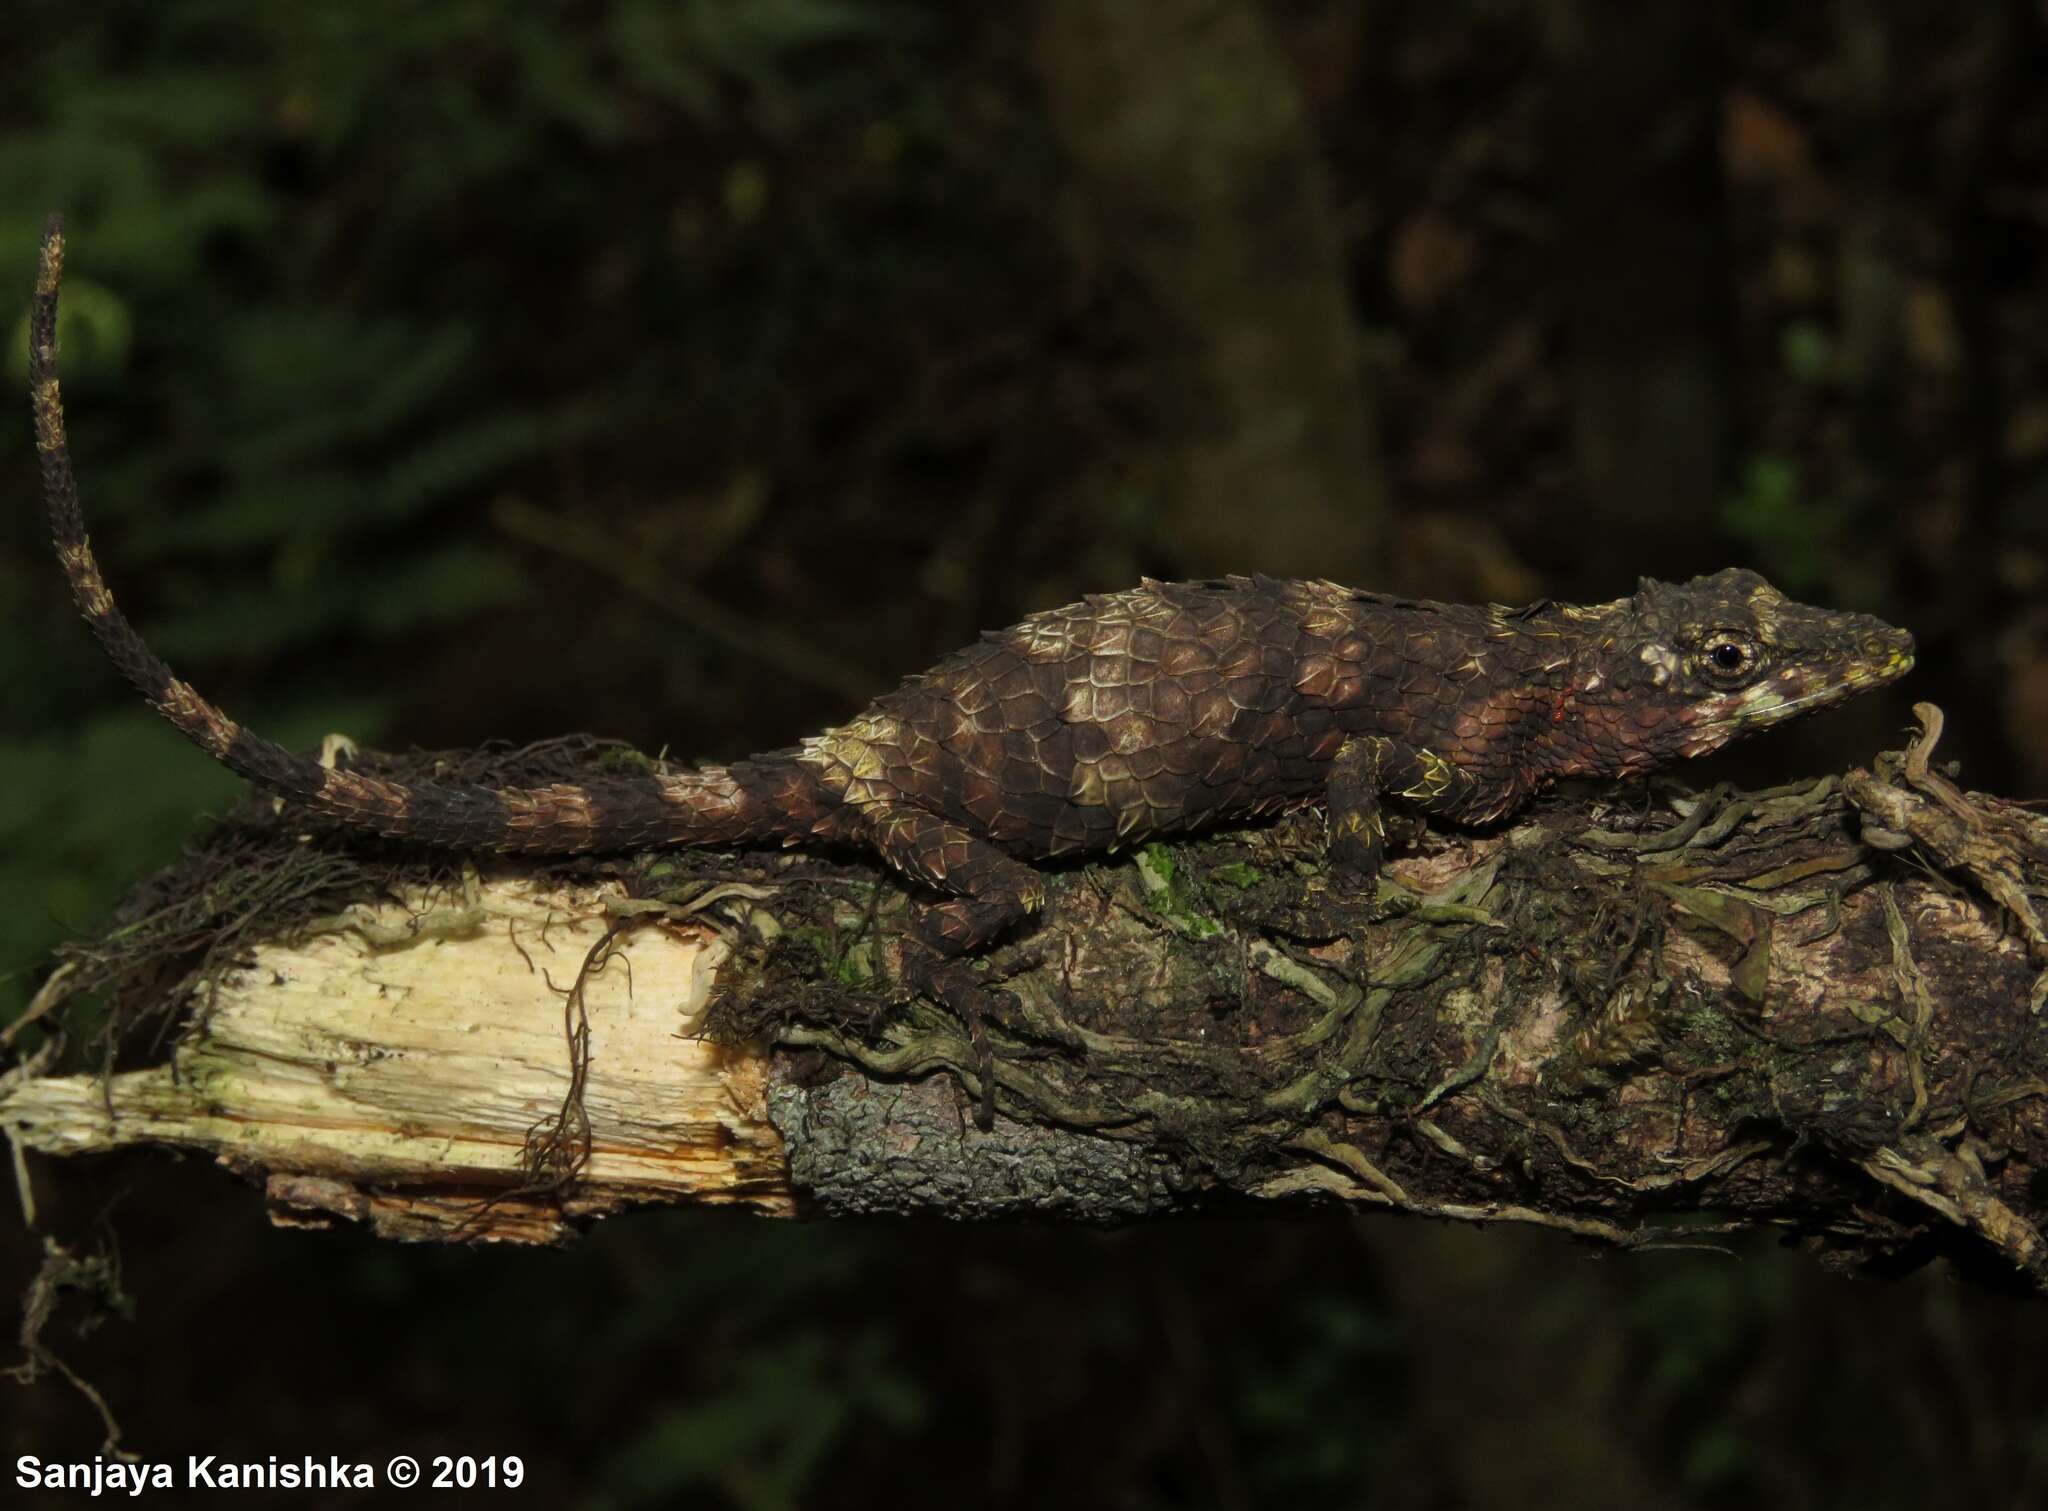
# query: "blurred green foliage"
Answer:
x=1319 y=1402
x=1698 y=1322
x=1802 y=538
x=296 y=362
x=764 y=1436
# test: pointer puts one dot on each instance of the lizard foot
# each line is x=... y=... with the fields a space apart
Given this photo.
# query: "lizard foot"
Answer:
x=960 y=990
x=962 y=925
x=986 y=892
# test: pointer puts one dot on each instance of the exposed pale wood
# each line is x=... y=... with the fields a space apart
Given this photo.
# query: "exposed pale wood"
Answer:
x=352 y=1073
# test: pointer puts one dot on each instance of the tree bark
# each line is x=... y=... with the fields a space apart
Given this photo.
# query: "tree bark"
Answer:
x=1814 y=1009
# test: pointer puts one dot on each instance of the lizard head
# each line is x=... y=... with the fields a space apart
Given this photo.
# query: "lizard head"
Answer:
x=1679 y=669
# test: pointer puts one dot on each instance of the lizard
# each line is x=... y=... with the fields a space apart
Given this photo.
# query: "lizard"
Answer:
x=1124 y=717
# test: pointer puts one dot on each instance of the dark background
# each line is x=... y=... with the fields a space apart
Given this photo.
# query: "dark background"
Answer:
x=686 y=370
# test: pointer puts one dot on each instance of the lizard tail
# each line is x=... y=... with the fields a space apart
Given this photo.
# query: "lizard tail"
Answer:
x=751 y=801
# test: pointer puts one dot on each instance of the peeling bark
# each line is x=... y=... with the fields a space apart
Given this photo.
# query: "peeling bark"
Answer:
x=1814 y=1008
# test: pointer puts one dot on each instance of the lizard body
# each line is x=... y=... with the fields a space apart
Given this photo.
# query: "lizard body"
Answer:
x=1126 y=716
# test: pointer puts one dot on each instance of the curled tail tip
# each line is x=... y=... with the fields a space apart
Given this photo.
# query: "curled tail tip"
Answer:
x=42 y=346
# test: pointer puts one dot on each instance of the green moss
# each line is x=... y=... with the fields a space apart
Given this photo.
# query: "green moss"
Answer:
x=1156 y=868
x=856 y=967
x=1238 y=874
x=1158 y=872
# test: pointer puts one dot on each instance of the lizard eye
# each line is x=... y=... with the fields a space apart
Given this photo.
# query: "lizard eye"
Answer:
x=1728 y=655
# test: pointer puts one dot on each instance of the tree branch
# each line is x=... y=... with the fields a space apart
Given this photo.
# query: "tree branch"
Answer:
x=1642 y=1021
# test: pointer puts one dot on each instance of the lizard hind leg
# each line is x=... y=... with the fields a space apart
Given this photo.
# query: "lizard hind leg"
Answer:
x=986 y=892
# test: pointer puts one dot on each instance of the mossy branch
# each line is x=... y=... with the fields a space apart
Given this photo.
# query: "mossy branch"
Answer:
x=1812 y=1009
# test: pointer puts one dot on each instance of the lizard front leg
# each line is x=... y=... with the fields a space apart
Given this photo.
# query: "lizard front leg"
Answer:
x=1367 y=770
x=1358 y=827
x=988 y=892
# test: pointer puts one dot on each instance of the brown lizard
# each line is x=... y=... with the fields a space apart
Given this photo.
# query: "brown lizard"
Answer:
x=1154 y=711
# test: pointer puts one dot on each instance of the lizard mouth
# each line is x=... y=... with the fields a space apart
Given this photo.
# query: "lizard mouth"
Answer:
x=1884 y=659
x=1803 y=688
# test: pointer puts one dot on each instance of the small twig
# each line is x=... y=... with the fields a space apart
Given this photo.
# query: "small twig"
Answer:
x=60 y=1268
x=47 y=997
